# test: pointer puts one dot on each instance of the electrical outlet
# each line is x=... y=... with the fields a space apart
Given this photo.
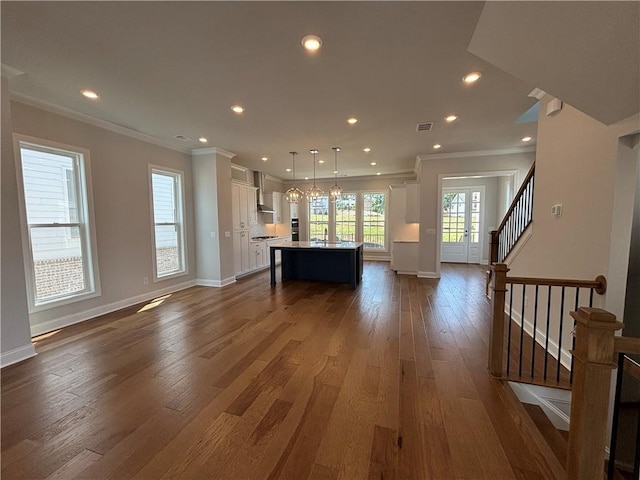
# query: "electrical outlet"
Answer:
x=145 y=280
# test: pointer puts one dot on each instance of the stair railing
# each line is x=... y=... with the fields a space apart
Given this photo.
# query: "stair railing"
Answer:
x=531 y=327
x=515 y=221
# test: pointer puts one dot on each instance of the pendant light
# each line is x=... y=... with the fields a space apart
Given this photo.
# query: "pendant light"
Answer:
x=314 y=192
x=293 y=194
x=336 y=192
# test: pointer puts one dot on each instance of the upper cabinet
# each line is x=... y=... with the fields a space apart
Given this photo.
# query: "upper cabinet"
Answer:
x=412 y=209
x=244 y=206
x=274 y=201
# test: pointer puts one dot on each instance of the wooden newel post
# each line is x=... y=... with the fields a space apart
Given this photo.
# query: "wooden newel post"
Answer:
x=593 y=362
x=496 y=341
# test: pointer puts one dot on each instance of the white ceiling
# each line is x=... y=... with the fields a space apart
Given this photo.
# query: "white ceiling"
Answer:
x=175 y=68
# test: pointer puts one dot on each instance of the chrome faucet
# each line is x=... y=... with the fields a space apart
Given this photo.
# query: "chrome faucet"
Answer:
x=325 y=235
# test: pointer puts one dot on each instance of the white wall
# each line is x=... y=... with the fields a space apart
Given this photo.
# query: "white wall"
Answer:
x=122 y=212
x=432 y=169
x=15 y=344
x=212 y=197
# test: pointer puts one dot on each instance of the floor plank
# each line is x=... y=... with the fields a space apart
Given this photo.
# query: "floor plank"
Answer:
x=301 y=380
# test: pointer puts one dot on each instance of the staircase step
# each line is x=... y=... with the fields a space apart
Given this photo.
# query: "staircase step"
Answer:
x=551 y=434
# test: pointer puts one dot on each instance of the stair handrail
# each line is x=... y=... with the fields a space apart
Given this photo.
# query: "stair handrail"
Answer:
x=495 y=234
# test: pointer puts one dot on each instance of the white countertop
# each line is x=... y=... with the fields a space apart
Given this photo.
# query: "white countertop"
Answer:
x=321 y=244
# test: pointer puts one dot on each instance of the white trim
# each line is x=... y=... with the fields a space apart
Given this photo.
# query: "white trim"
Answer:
x=79 y=317
x=10 y=72
x=96 y=122
x=82 y=173
x=17 y=355
x=380 y=258
x=203 y=282
x=555 y=402
x=403 y=272
x=385 y=176
x=178 y=177
x=428 y=274
x=476 y=153
x=196 y=152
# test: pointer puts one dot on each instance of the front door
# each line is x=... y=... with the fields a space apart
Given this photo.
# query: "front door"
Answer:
x=461 y=224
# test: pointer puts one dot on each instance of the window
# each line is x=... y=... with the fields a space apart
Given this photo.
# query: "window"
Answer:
x=168 y=232
x=374 y=220
x=318 y=218
x=61 y=263
x=346 y=218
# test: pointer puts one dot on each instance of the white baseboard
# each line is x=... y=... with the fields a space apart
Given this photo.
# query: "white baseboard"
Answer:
x=407 y=272
x=428 y=275
x=17 y=355
x=555 y=402
x=379 y=258
x=215 y=283
x=68 y=320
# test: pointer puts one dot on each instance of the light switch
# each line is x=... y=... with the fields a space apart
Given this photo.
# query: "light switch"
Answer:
x=213 y=234
x=227 y=234
x=556 y=210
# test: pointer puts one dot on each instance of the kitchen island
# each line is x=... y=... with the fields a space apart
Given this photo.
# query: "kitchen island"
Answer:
x=324 y=261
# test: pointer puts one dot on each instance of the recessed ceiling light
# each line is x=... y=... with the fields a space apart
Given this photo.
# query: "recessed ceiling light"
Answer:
x=451 y=118
x=203 y=140
x=287 y=169
x=378 y=173
x=320 y=161
x=264 y=159
x=366 y=149
x=352 y=121
x=437 y=146
x=335 y=172
x=90 y=94
x=526 y=139
x=237 y=108
x=306 y=178
x=312 y=43
x=472 y=77
x=373 y=163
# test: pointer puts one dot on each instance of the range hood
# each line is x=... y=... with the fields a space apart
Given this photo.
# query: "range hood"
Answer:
x=258 y=181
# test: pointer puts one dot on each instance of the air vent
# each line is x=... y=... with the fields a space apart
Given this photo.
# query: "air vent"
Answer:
x=424 y=127
x=182 y=137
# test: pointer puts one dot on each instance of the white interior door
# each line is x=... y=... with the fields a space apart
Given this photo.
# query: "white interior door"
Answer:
x=462 y=218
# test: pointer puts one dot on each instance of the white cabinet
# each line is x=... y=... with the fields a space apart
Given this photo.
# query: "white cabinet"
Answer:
x=404 y=257
x=244 y=206
x=412 y=208
x=258 y=254
x=241 y=251
x=244 y=214
x=274 y=201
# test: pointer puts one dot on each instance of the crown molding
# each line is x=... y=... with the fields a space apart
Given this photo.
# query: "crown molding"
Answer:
x=96 y=122
x=474 y=153
x=403 y=174
x=196 y=152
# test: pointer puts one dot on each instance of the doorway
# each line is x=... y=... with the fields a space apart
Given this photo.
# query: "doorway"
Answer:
x=462 y=220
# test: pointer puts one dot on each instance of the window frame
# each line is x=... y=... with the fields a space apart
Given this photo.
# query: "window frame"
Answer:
x=178 y=176
x=86 y=222
x=329 y=216
x=385 y=248
x=355 y=222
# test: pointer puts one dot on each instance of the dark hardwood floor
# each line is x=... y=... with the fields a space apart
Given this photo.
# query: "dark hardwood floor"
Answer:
x=301 y=380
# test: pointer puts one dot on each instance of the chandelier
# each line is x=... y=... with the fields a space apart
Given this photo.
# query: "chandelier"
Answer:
x=293 y=194
x=336 y=192
x=314 y=192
